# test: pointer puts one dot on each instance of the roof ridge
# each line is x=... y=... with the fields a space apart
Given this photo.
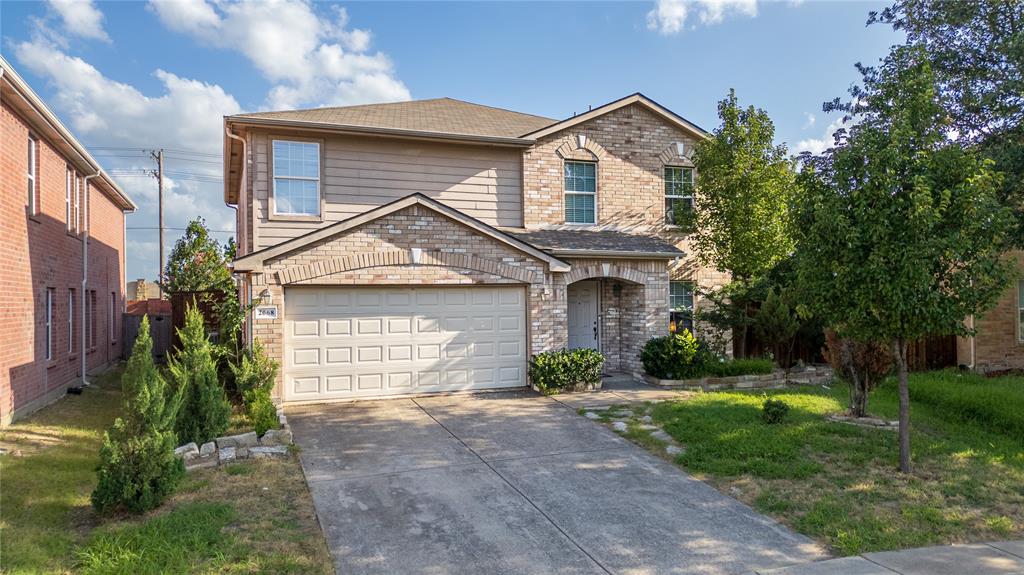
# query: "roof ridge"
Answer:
x=399 y=102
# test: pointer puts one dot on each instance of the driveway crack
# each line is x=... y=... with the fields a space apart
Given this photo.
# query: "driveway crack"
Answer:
x=514 y=488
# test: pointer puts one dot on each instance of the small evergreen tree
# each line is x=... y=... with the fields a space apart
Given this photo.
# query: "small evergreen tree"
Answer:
x=205 y=410
x=776 y=325
x=138 y=468
x=255 y=375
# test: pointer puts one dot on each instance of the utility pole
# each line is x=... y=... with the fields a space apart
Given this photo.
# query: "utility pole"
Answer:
x=159 y=157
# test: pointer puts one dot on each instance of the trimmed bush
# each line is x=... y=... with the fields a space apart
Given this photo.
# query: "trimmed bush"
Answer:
x=565 y=369
x=774 y=410
x=675 y=356
x=255 y=375
x=138 y=469
x=205 y=410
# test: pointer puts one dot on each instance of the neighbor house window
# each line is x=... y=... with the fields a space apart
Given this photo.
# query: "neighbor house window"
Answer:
x=678 y=192
x=71 y=321
x=580 y=192
x=296 y=178
x=91 y=312
x=113 y=317
x=680 y=304
x=33 y=170
x=67 y=198
x=49 y=323
x=79 y=202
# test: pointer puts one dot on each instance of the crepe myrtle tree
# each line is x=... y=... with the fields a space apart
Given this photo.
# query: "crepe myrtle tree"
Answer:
x=900 y=232
x=745 y=185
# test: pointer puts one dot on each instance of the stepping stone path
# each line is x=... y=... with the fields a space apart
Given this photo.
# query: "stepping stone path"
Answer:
x=645 y=423
x=591 y=415
x=620 y=426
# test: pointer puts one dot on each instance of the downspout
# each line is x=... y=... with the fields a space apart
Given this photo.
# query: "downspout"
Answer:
x=85 y=266
x=244 y=298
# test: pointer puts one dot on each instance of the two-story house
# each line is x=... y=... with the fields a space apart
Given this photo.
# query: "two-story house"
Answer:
x=436 y=245
x=61 y=255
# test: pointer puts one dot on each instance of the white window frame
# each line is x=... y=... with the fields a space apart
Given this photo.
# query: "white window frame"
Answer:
x=71 y=320
x=676 y=196
x=49 y=324
x=78 y=204
x=319 y=172
x=679 y=309
x=32 y=175
x=567 y=193
x=67 y=198
x=113 y=319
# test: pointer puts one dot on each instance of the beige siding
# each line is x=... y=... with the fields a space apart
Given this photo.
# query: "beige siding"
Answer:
x=358 y=174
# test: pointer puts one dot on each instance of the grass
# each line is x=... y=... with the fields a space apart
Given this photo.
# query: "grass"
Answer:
x=248 y=517
x=838 y=483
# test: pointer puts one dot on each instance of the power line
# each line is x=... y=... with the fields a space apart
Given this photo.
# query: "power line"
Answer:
x=178 y=229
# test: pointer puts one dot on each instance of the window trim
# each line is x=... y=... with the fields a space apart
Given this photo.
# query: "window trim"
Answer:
x=665 y=181
x=67 y=197
x=113 y=318
x=32 y=175
x=273 y=212
x=49 y=324
x=1020 y=312
x=71 y=321
x=565 y=192
x=693 y=301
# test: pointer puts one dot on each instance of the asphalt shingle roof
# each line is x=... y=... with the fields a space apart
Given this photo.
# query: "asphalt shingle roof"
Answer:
x=594 y=240
x=439 y=115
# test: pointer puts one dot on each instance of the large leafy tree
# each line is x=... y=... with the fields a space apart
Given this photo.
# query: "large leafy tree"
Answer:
x=901 y=231
x=976 y=49
x=745 y=184
x=198 y=262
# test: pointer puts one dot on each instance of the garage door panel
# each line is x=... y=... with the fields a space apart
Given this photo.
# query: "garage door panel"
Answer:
x=353 y=342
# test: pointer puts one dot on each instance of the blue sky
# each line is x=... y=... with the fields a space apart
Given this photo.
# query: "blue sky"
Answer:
x=141 y=75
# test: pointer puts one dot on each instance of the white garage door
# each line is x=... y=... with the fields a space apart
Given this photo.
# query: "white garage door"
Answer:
x=368 y=342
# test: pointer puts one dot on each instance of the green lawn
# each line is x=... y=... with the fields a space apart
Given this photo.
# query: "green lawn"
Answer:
x=838 y=483
x=249 y=517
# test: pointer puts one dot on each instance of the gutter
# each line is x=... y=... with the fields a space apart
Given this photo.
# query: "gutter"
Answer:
x=383 y=132
x=85 y=267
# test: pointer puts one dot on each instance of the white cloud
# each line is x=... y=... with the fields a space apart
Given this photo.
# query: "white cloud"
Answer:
x=809 y=120
x=312 y=59
x=80 y=18
x=818 y=145
x=186 y=115
x=669 y=16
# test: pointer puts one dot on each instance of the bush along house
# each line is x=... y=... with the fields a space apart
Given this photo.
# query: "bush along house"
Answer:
x=436 y=245
x=62 y=246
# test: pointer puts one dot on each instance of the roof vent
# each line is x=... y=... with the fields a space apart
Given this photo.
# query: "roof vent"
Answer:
x=581 y=141
x=681 y=149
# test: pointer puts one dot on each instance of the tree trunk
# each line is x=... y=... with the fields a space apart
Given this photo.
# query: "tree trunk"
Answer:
x=858 y=395
x=741 y=341
x=900 y=351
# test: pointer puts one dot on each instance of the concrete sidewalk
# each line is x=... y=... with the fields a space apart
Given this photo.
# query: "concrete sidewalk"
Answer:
x=977 y=559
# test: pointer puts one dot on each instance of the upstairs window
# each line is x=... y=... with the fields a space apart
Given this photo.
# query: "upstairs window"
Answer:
x=680 y=305
x=678 y=195
x=580 y=192
x=33 y=172
x=67 y=198
x=296 y=178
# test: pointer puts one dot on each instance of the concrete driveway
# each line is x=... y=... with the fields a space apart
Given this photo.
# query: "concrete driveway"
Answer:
x=516 y=483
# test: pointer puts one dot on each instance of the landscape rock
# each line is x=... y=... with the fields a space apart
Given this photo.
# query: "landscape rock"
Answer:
x=648 y=427
x=674 y=450
x=276 y=437
x=591 y=415
x=207 y=448
x=225 y=455
x=660 y=435
x=241 y=452
x=242 y=440
x=268 y=452
x=646 y=419
x=187 y=451
x=620 y=426
x=201 y=463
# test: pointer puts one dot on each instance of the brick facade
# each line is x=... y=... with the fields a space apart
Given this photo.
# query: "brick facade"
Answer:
x=37 y=253
x=998 y=344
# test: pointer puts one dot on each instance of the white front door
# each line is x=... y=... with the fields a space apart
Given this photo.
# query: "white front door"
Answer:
x=583 y=298
x=345 y=342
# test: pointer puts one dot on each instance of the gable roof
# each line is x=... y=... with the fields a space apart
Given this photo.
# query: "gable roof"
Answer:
x=255 y=260
x=598 y=243
x=439 y=116
x=636 y=98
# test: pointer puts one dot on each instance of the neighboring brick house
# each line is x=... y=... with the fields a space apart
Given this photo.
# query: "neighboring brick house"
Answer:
x=999 y=343
x=56 y=203
x=435 y=245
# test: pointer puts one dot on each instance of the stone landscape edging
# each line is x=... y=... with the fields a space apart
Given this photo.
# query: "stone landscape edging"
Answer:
x=808 y=375
x=223 y=450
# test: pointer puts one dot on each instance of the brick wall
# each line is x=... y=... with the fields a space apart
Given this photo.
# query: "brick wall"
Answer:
x=997 y=345
x=37 y=253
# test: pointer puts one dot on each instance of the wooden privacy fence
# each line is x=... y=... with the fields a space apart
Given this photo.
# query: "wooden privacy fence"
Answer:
x=206 y=301
x=159 y=331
